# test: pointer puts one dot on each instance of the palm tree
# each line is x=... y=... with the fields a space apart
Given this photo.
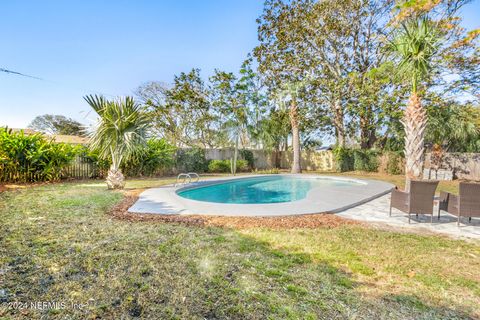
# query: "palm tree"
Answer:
x=416 y=45
x=290 y=93
x=119 y=133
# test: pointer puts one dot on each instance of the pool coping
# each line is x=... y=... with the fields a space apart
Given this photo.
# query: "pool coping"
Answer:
x=165 y=200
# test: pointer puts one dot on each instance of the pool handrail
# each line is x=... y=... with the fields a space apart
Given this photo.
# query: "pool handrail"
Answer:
x=185 y=177
x=195 y=175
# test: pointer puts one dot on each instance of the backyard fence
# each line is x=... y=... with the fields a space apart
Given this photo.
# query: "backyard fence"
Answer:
x=81 y=167
x=13 y=175
x=463 y=165
x=262 y=159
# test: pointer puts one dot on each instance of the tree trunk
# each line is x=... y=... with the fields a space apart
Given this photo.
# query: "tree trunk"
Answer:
x=368 y=135
x=367 y=138
x=414 y=122
x=278 y=157
x=338 y=123
x=296 y=167
x=235 y=156
x=115 y=179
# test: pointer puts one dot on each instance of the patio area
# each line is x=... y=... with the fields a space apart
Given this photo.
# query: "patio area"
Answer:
x=377 y=212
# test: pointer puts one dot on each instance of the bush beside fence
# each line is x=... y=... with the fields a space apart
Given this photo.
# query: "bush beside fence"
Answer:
x=30 y=158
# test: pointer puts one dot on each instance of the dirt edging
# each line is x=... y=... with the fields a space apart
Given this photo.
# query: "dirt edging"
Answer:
x=310 y=221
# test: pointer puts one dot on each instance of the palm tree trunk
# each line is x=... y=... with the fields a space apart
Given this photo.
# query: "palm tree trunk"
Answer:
x=414 y=122
x=115 y=178
x=296 y=167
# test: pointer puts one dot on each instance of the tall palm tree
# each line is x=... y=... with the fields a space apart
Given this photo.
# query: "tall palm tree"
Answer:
x=416 y=45
x=289 y=94
x=119 y=133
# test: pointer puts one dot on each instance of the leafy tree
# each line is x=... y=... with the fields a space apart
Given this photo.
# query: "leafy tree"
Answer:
x=229 y=96
x=326 y=40
x=256 y=99
x=119 y=134
x=57 y=124
x=375 y=105
x=199 y=124
x=153 y=95
x=452 y=126
x=274 y=129
x=182 y=113
x=239 y=103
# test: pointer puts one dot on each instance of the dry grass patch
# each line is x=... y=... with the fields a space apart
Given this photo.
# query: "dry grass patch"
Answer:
x=58 y=243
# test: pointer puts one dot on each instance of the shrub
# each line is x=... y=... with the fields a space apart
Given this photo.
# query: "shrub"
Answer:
x=344 y=159
x=155 y=158
x=219 y=166
x=248 y=156
x=193 y=159
x=57 y=157
x=242 y=165
x=268 y=171
x=394 y=163
x=29 y=158
x=365 y=160
x=224 y=166
x=102 y=165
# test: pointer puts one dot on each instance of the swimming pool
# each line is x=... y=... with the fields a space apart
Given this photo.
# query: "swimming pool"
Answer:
x=263 y=190
x=265 y=195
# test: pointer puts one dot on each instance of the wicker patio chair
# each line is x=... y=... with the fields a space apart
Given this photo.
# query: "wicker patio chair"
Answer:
x=466 y=204
x=418 y=201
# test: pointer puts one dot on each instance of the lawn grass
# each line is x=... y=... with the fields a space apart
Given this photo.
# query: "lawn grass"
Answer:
x=57 y=243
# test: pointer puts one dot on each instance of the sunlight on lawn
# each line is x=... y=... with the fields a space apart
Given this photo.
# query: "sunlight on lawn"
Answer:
x=128 y=267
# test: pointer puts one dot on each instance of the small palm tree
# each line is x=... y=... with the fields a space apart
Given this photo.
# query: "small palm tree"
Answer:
x=416 y=45
x=119 y=133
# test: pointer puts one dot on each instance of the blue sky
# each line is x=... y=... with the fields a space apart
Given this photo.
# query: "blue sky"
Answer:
x=111 y=47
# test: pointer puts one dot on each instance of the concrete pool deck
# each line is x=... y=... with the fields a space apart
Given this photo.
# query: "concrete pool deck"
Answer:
x=165 y=200
x=377 y=212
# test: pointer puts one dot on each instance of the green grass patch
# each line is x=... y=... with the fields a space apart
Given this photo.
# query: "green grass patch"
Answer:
x=58 y=244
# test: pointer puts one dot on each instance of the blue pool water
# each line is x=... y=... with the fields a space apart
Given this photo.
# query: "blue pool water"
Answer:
x=272 y=189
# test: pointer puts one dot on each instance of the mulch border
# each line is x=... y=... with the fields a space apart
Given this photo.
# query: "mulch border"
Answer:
x=310 y=221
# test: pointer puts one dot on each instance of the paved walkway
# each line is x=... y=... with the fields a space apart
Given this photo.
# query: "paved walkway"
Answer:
x=376 y=211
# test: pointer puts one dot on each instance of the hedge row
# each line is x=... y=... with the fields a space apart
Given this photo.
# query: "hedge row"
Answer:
x=367 y=160
x=28 y=158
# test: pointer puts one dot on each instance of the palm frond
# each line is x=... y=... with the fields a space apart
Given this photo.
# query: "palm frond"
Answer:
x=416 y=45
x=121 y=129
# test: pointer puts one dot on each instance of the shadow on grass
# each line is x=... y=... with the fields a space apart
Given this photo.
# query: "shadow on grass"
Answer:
x=119 y=269
x=222 y=275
